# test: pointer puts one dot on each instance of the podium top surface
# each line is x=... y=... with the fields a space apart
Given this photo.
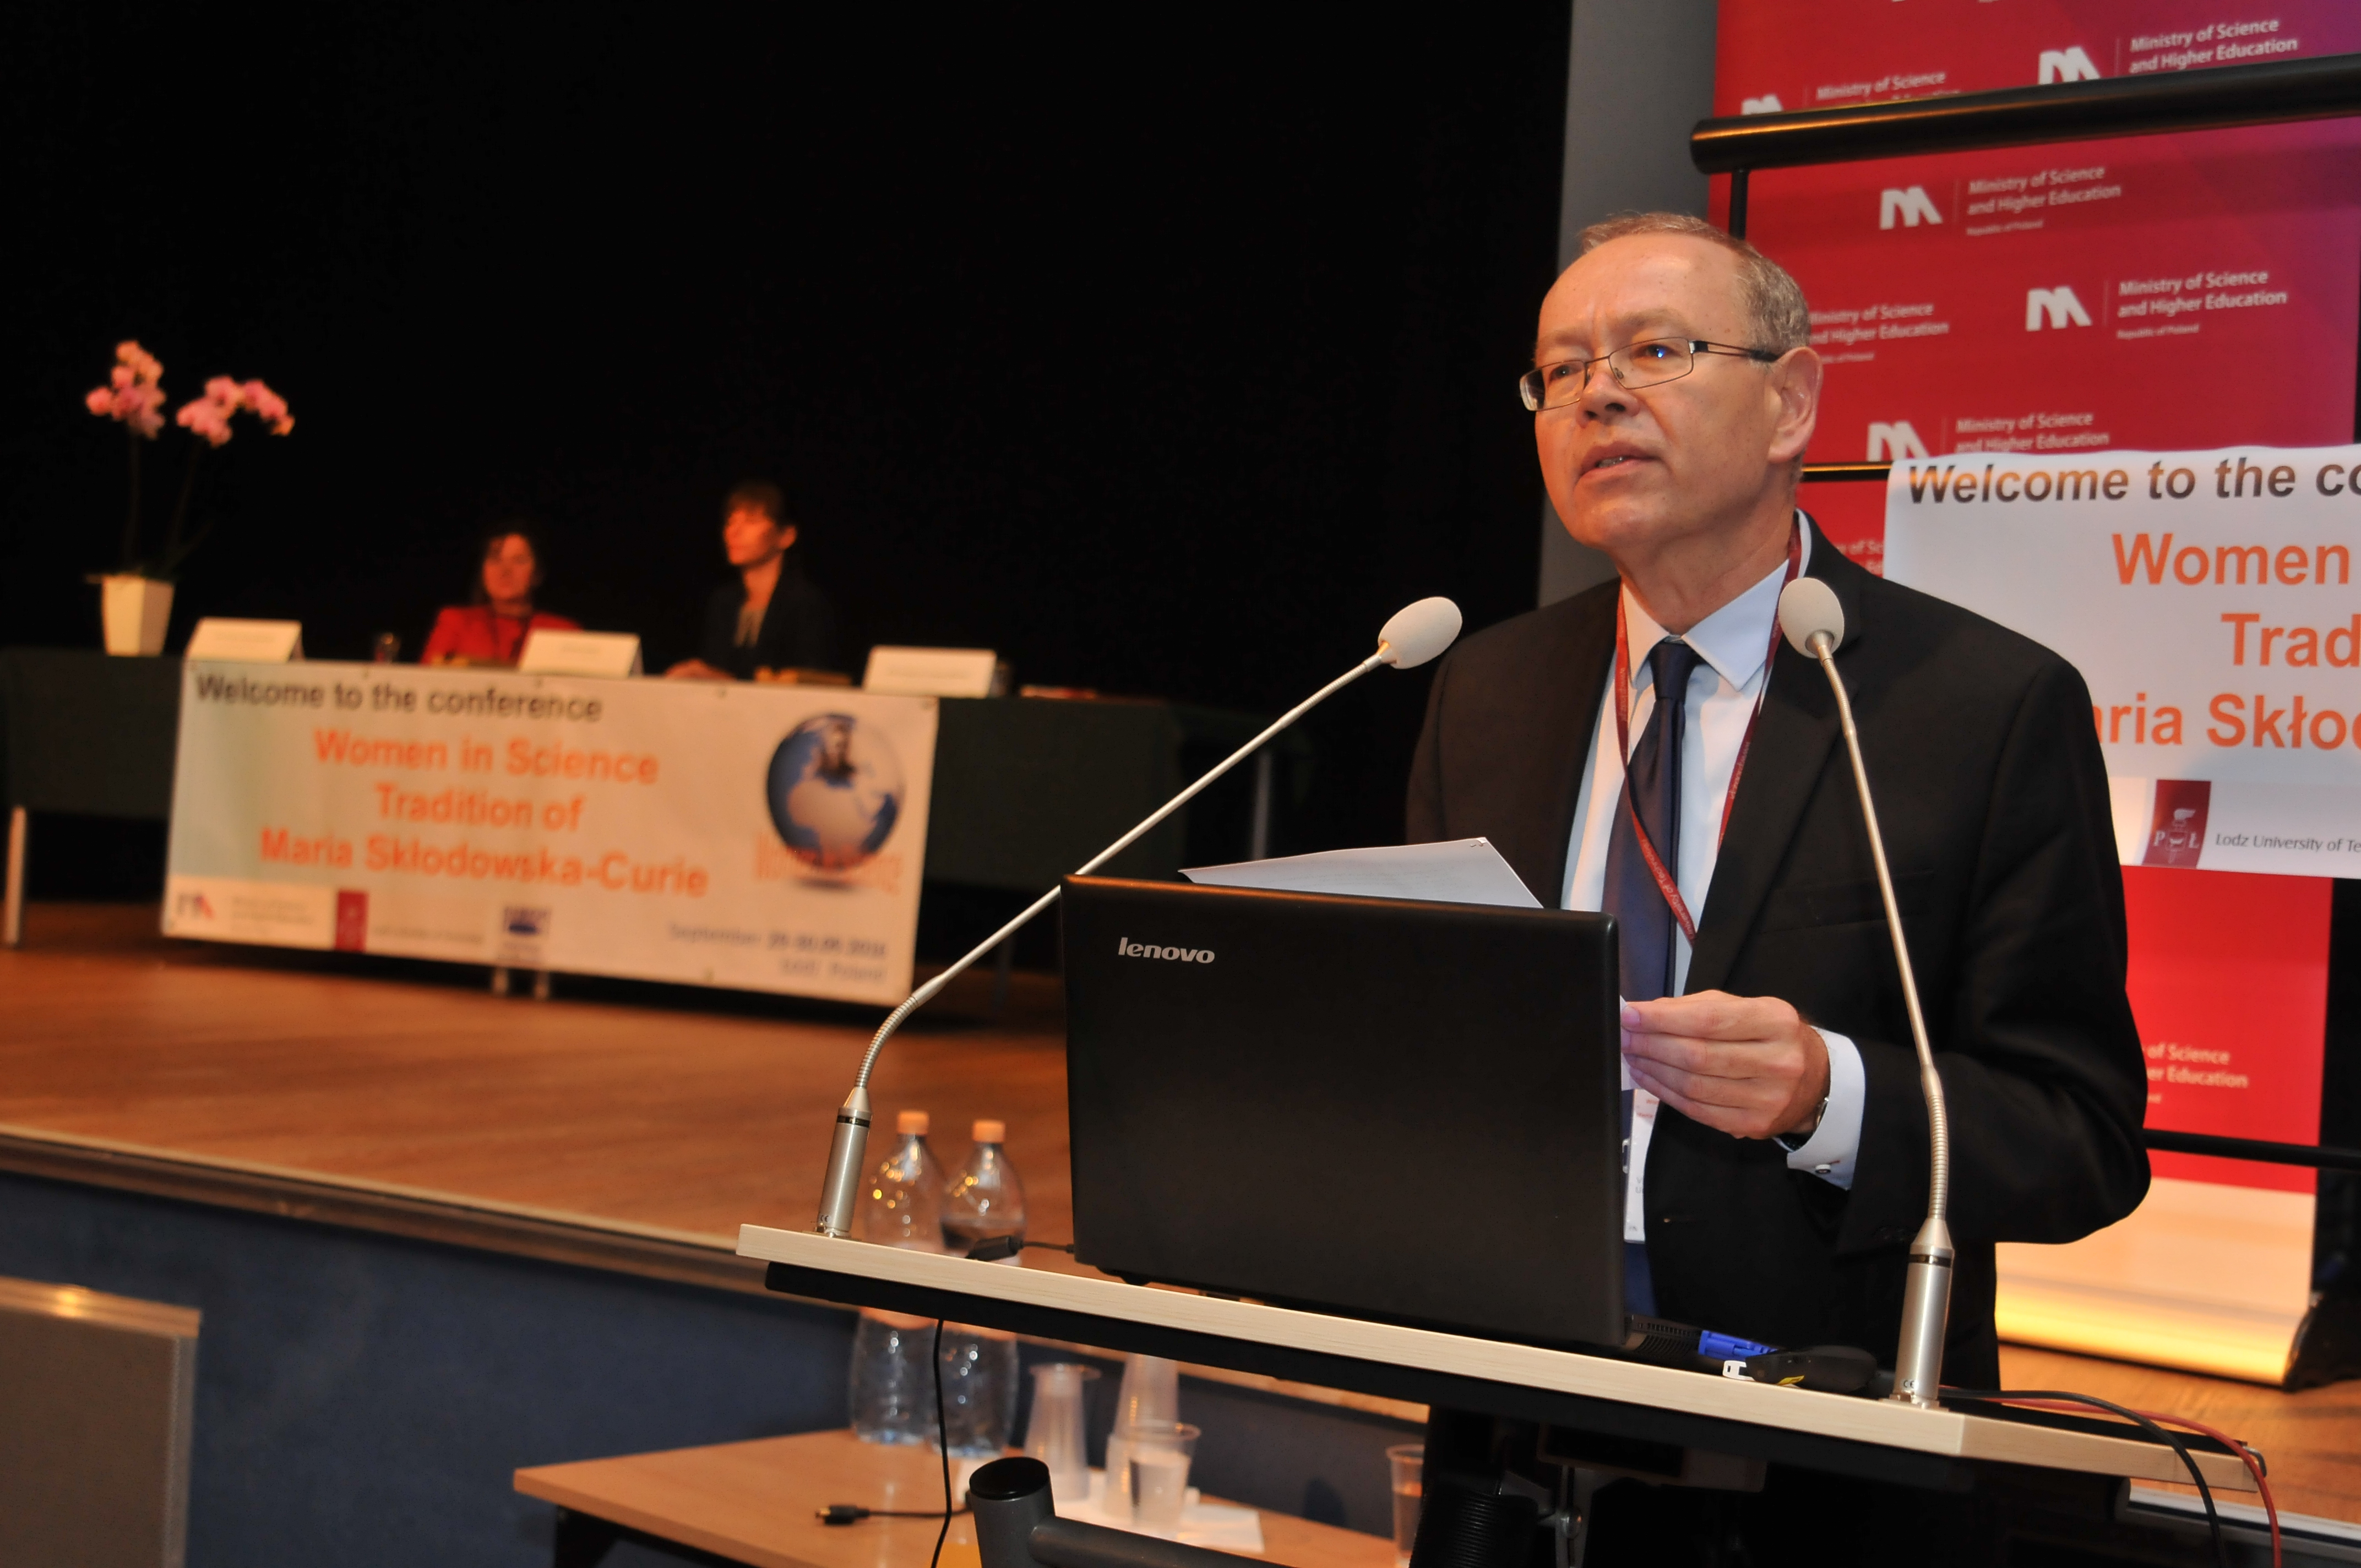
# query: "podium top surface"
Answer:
x=1376 y=1357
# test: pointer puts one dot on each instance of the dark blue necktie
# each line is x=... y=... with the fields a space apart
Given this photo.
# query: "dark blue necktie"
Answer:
x=1652 y=782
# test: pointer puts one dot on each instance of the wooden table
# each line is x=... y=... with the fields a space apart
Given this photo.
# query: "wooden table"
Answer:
x=2305 y=1439
x=755 y=1502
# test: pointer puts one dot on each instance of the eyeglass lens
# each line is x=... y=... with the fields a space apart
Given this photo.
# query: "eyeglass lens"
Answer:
x=1642 y=363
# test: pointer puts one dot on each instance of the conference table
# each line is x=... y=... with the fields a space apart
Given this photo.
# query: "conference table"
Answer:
x=1025 y=788
x=756 y=1502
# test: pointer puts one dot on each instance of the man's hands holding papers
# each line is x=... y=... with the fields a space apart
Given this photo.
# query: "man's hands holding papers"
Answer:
x=1747 y=1065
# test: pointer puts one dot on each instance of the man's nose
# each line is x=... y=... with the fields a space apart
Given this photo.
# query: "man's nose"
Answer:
x=1602 y=393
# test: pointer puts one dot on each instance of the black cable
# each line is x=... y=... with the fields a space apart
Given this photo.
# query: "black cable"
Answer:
x=998 y=1247
x=2204 y=1493
x=943 y=1449
x=853 y=1513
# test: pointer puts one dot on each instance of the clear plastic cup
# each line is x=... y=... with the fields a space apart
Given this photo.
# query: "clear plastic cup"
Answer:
x=1151 y=1392
x=1408 y=1463
x=1054 y=1433
x=1155 y=1474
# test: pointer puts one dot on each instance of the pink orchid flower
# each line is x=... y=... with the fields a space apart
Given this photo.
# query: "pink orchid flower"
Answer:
x=133 y=394
x=209 y=416
x=205 y=418
x=269 y=408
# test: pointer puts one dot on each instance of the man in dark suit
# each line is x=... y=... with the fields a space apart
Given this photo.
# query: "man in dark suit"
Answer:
x=1784 y=1167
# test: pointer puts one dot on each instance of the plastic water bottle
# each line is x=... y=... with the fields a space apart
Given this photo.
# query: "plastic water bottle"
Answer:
x=986 y=1201
x=979 y=1390
x=902 y=1204
x=893 y=1383
x=983 y=1201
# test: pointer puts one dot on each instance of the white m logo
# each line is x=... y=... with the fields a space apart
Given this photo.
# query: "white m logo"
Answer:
x=2058 y=304
x=1767 y=104
x=2068 y=65
x=1911 y=206
x=1893 y=443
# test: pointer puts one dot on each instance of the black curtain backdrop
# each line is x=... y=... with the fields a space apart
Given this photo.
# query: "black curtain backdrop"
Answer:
x=1166 y=361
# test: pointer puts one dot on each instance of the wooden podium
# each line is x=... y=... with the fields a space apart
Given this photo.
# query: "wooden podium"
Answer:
x=1638 y=1408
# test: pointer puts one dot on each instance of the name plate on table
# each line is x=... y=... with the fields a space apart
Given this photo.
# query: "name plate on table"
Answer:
x=935 y=671
x=229 y=641
x=612 y=654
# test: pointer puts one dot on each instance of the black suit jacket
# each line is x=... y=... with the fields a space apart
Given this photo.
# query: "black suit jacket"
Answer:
x=1992 y=798
x=799 y=628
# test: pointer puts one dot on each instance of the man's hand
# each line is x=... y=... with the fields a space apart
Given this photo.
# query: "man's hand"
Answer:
x=696 y=670
x=1747 y=1065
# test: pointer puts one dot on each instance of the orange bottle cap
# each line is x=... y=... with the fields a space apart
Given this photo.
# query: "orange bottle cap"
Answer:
x=990 y=1132
x=911 y=1122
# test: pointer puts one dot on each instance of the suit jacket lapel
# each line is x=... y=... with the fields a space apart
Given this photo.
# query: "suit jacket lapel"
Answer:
x=1783 y=767
x=1570 y=692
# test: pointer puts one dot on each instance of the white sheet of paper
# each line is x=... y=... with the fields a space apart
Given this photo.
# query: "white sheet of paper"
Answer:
x=1466 y=871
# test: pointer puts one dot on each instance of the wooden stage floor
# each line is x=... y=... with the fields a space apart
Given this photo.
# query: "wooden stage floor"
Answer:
x=674 y=1110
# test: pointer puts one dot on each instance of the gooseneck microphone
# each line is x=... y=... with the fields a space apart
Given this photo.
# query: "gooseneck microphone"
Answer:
x=1814 y=624
x=1416 y=633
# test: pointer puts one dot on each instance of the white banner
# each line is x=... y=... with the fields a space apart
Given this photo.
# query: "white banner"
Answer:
x=2208 y=599
x=765 y=838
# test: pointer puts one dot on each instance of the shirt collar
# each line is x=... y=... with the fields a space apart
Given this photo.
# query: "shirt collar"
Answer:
x=1735 y=640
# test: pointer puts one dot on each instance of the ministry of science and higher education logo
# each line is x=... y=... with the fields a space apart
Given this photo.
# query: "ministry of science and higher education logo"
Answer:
x=835 y=792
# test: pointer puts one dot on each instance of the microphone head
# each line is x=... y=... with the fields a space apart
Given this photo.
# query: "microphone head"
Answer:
x=1418 y=632
x=1807 y=607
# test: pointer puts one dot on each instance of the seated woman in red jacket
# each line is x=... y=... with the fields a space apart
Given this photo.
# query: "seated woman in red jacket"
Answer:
x=492 y=630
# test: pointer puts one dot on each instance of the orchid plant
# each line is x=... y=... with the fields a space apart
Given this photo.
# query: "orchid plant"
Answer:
x=134 y=398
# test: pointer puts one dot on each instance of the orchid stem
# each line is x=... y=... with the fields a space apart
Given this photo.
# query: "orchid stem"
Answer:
x=131 y=518
x=172 y=551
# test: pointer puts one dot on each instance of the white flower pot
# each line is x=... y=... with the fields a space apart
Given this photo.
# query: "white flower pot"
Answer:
x=135 y=610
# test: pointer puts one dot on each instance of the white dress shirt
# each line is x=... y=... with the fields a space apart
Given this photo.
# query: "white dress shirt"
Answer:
x=1734 y=642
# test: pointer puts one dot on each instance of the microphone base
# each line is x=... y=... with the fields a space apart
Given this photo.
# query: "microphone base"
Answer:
x=1926 y=1314
x=844 y=1157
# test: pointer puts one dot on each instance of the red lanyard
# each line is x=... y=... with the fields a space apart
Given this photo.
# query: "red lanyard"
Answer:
x=1665 y=883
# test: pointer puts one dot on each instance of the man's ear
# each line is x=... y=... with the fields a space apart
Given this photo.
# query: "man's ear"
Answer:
x=1796 y=382
x=787 y=536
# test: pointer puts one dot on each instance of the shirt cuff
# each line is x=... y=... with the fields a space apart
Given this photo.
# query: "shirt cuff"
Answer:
x=1835 y=1143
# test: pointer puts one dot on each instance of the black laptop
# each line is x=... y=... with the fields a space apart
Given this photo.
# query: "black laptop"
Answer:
x=1386 y=1109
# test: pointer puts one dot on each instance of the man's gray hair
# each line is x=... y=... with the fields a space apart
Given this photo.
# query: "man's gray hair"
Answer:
x=1772 y=299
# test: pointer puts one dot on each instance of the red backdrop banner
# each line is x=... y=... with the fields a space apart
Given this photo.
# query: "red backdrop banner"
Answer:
x=2158 y=292
x=2229 y=982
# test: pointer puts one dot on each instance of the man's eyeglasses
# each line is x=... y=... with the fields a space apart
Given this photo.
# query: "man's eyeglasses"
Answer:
x=1642 y=363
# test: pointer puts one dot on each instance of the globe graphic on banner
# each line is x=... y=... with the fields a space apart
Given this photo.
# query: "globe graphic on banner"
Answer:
x=835 y=792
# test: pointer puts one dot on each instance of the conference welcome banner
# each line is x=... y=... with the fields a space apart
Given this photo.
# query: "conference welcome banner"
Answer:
x=763 y=838
x=2208 y=598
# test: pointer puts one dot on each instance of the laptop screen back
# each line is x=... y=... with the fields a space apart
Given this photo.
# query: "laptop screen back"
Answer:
x=1386 y=1109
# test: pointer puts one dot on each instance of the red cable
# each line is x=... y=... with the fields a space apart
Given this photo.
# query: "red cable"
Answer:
x=2245 y=1454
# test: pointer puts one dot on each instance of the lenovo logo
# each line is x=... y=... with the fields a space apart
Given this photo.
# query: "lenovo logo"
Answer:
x=1910 y=208
x=1125 y=947
x=2057 y=306
x=1893 y=443
x=2068 y=65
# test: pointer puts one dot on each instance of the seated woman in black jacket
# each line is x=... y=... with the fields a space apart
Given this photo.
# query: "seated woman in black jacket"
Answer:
x=771 y=617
